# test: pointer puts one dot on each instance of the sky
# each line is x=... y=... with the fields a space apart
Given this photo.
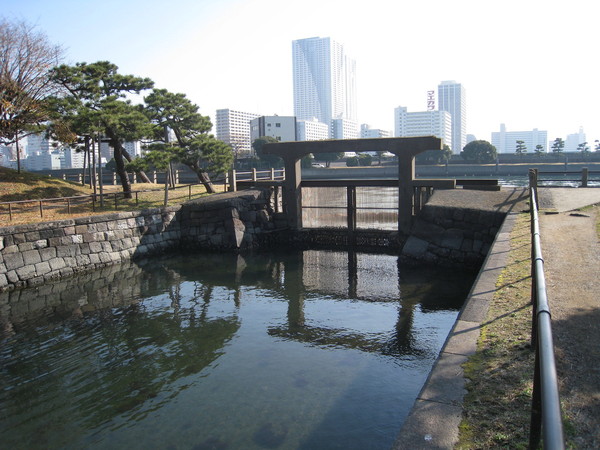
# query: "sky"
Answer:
x=525 y=63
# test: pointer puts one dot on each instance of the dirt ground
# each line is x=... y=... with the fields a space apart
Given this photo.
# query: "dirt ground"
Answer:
x=571 y=251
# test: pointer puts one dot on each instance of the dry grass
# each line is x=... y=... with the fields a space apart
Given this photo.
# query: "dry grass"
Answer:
x=26 y=186
x=497 y=406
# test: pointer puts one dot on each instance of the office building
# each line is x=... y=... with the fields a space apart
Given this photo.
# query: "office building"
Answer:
x=506 y=141
x=573 y=140
x=311 y=130
x=282 y=128
x=324 y=81
x=343 y=129
x=423 y=123
x=233 y=127
x=366 y=132
x=452 y=98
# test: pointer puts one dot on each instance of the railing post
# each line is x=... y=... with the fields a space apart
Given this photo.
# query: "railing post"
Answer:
x=272 y=173
x=114 y=179
x=351 y=209
x=154 y=176
x=41 y=209
x=254 y=174
x=232 y=180
x=584 y=177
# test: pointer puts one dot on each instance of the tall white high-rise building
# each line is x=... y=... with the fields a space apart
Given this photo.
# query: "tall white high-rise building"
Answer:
x=324 y=80
x=452 y=98
x=506 y=141
x=233 y=127
x=423 y=123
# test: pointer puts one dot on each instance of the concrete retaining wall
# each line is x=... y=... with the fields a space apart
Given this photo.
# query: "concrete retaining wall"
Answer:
x=33 y=254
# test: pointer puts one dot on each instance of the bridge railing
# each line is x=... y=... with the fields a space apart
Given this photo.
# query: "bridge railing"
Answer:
x=349 y=204
x=545 y=407
x=582 y=177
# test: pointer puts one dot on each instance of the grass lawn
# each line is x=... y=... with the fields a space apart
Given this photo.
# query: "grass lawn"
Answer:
x=70 y=200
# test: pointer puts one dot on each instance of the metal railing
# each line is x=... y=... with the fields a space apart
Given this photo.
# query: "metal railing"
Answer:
x=575 y=176
x=546 y=416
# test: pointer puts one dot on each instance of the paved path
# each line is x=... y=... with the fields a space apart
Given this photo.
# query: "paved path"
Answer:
x=571 y=251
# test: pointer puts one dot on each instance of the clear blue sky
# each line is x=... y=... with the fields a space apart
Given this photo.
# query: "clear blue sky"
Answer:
x=527 y=63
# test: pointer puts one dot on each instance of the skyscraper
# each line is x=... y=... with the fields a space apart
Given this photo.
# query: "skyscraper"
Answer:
x=452 y=98
x=324 y=80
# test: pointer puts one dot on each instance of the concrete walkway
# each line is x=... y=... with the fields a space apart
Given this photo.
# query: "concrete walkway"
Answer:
x=436 y=415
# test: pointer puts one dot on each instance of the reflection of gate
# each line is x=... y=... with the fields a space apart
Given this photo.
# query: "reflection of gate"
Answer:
x=411 y=193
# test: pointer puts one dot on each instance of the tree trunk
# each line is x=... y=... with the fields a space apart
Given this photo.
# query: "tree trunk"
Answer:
x=18 y=153
x=204 y=179
x=140 y=173
x=118 y=149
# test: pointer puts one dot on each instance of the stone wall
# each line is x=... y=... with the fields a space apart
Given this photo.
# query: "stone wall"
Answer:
x=33 y=254
x=450 y=235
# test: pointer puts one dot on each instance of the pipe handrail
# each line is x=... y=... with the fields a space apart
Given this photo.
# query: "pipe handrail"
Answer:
x=546 y=415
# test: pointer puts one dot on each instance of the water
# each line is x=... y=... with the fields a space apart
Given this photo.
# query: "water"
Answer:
x=309 y=349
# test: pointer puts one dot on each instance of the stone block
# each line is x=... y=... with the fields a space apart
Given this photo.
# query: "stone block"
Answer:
x=42 y=268
x=3 y=280
x=69 y=231
x=32 y=236
x=82 y=260
x=40 y=243
x=12 y=276
x=11 y=249
x=25 y=246
x=13 y=261
x=26 y=272
x=47 y=253
x=415 y=247
x=67 y=251
x=31 y=257
x=104 y=257
x=66 y=272
x=19 y=238
x=81 y=229
x=452 y=239
x=57 y=263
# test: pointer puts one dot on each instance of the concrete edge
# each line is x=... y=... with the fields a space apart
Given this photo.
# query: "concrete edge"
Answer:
x=435 y=417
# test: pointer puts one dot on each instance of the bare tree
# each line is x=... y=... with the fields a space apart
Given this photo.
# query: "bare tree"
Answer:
x=26 y=57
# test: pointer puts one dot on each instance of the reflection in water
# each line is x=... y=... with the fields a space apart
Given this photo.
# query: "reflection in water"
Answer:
x=290 y=350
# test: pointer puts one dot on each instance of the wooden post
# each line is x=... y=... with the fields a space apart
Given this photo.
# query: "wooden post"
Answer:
x=232 y=180
x=584 y=177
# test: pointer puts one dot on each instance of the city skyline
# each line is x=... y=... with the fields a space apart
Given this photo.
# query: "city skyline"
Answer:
x=529 y=67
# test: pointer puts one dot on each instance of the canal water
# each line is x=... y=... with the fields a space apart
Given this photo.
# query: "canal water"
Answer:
x=293 y=349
